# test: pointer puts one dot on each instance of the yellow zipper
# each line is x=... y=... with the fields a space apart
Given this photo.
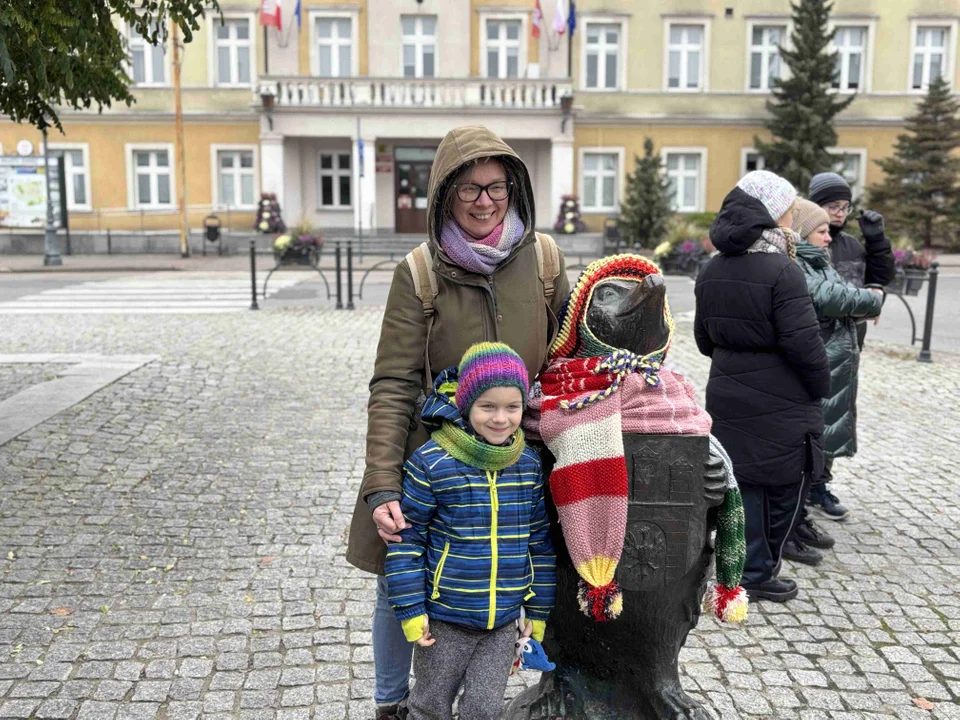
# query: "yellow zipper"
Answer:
x=494 y=550
x=438 y=571
x=532 y=576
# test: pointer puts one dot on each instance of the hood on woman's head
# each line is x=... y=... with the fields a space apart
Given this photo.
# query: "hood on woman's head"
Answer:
x=754 y=205
x=465 y=146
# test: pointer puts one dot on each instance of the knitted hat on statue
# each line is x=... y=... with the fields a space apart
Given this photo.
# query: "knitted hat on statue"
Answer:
x=590 y=394
x=488 y=365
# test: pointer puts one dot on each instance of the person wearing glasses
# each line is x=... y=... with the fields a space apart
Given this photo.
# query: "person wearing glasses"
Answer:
x=867 y=264
x=490 y=288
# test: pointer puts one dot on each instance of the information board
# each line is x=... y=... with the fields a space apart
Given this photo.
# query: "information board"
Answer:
x=23 y=192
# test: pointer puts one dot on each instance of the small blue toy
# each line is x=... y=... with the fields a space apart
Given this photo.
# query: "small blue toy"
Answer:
x=531 y=655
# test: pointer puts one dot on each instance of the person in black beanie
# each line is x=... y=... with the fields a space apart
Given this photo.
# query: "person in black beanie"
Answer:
x=868 y=264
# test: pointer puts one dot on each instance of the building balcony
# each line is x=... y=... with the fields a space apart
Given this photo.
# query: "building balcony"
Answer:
x=415 y=93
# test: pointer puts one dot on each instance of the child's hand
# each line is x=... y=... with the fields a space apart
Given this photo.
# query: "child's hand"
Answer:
x=426 y=640
x=527 y=630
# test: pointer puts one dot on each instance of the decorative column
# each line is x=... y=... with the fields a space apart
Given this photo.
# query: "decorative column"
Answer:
x=561 y=171
x=271 y=165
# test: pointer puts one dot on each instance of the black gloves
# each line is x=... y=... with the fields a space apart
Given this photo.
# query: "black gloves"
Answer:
x=714 y=481
x=871 y=224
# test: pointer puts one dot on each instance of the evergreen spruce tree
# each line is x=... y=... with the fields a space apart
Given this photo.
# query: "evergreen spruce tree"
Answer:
x=920 y=197
x=804 y=106
x=645 y=211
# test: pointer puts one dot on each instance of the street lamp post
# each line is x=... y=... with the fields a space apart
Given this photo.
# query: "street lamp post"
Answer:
x=51 y=253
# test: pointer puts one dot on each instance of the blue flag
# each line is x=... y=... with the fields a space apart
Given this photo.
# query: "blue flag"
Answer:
x=296 y=11
x=571 y=18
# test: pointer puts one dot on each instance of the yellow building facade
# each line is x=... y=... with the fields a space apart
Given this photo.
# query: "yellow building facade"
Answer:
x=340 y=113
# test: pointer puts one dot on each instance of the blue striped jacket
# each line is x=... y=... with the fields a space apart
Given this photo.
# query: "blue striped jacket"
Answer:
x=477 y=544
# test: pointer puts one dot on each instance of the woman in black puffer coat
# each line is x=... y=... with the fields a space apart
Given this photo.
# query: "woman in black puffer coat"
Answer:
x=769 y=370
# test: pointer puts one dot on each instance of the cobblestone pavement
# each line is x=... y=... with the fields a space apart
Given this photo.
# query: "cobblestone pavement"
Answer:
x=14 y=378
x=172 y=547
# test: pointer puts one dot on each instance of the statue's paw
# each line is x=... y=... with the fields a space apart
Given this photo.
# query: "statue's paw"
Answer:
x=541 y=702
x=677 y=705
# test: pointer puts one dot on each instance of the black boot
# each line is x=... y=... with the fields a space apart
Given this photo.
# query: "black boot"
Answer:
x=810 y=534
x=775 y=589
x=795 y=549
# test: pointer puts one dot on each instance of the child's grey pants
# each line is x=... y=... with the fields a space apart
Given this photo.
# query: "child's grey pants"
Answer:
x=481 y=659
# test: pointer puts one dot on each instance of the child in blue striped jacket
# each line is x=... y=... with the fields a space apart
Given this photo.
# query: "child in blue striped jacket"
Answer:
x=476 y=550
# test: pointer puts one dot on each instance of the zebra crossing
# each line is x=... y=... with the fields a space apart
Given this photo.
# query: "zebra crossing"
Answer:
x=151 y=294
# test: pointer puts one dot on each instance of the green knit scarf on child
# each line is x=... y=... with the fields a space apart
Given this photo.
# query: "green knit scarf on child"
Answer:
x=473 y=451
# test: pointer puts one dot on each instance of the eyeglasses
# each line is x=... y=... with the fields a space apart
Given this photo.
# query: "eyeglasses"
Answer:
x=468 y=192
x=837 y=208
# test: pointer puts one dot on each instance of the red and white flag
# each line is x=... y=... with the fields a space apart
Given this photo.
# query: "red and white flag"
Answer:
x=270 y=13
x=537 y=20
x=560 y=19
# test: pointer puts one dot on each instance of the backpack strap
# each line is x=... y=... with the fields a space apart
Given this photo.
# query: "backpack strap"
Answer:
x=548 y=264
x=420 y=262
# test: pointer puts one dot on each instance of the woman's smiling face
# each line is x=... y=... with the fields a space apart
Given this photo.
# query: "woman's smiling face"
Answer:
x=480 y=217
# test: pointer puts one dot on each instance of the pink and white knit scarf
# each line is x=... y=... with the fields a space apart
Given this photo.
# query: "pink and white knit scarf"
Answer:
x=484 y=255
x=583 y=425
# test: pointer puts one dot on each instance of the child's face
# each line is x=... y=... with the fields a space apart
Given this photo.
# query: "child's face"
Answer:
x=496 y=414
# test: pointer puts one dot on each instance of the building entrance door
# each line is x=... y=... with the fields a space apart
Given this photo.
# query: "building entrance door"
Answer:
x=412 y=178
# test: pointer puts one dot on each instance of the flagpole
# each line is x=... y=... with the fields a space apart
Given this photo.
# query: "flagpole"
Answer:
x=266 y=53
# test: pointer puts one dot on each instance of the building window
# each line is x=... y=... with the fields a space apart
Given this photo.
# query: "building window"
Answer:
x=152 y=179
x=600 y=172
x=686 y=57
x=233 y=52
x=335 y=47
x=684 y=172
x=930 y=57
x=76 y=176
x=336 y=180
x=765 y=63
x=753 y=160
x=850 y=167
x=147 y=62
x=235 y=178
x=503 y=48
x=419 y=46
x=603 y=56
x=850 y=44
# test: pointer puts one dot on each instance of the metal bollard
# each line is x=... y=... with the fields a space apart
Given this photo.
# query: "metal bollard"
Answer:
x=350 y=305
x=253 y=274
x=339 y=279
x=109 y=243
x=925 y=355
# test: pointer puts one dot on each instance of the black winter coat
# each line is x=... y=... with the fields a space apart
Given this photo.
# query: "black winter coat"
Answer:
x=755 y=319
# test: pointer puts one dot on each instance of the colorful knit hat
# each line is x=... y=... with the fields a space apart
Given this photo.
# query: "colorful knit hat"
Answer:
x=827 y=187
x=488 y=365
x=776 y=194
x=807 y=217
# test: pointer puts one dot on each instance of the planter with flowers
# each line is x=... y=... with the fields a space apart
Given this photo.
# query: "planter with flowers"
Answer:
x=912 y=268
x=686 y=249
x=301 y=245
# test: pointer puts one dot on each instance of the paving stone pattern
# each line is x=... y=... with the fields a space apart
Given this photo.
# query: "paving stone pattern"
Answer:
x=16 y=377
x=172 y=547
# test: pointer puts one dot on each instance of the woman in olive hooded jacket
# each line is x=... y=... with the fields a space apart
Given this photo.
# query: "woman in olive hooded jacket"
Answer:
x=508 y=304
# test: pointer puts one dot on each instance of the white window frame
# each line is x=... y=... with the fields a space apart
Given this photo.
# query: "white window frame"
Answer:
x=744 y=155
x=336 y=173
x=861 y=152
x=353 y=16
x=949 y=48
x=418 y=43
x=619 y=178
x=213 y=24
x=132 y=204
x=523 y=19
x=167 y=61
x=694 y=20
x=69 y=172
x=870 y=25
x=622 y=23
x=702 y=184
x=215 y=150
x=787 y=26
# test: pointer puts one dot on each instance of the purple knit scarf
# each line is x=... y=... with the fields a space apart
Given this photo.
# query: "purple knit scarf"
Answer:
x=482 y=256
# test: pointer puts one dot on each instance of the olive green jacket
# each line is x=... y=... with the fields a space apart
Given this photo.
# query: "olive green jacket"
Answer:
x=469 y=308
x=838 y=304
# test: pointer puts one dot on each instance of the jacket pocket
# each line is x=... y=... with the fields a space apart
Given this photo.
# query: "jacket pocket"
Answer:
x=439 y=571
x=530 y=592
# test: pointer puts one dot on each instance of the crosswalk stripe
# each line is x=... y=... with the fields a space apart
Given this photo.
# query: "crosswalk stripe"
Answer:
x=187 y=293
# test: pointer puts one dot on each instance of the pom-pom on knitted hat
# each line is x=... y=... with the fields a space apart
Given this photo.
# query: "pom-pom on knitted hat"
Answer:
x=776 y=194
x=827 y=187
x=488 y=365
x=807 y=217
